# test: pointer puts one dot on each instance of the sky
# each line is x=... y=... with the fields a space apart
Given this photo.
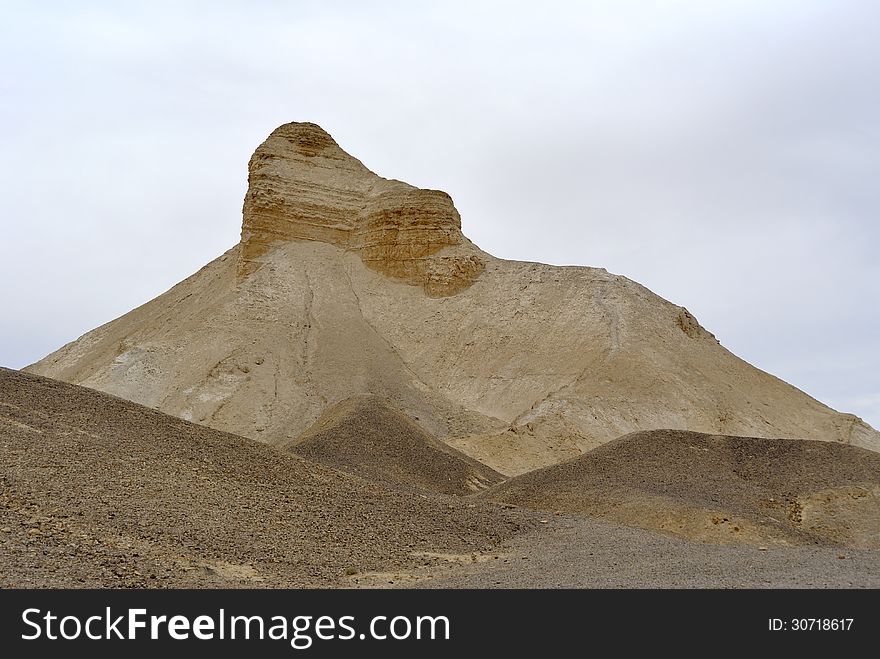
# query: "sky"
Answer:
x=724 y=154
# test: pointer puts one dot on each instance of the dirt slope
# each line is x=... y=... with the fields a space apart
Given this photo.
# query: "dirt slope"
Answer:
x=365 y=436
x=717 y=489
x=97 y=491
x=346 y=283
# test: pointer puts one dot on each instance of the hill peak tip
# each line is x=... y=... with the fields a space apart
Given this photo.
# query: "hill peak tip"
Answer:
x=307 y=137
x=303 y=186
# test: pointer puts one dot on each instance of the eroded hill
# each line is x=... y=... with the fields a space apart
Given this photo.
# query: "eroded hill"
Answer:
x=345 y=283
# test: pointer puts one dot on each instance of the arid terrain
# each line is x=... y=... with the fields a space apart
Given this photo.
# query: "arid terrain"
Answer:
x=101 y=492
x=714 y=488
x=98 y=491
x=355 y=395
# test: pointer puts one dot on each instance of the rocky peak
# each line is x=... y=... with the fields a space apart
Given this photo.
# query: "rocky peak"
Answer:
x=303 y=186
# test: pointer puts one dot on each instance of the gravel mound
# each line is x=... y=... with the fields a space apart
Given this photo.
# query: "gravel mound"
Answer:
x=364 y=435
x=714 y=488
x=96 y=491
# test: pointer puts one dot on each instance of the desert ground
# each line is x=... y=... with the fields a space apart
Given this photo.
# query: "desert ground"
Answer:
x=101 y=492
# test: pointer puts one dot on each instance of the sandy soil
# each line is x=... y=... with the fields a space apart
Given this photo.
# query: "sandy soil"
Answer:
x=571 y=552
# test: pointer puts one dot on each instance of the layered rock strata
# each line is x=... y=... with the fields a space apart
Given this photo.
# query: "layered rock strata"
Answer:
x=303 y=186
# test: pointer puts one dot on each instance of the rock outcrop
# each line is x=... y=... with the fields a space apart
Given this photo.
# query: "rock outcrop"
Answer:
x=345 y=283
x=302 y=186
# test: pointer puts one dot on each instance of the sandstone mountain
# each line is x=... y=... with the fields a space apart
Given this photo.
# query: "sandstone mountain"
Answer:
x=345 y=283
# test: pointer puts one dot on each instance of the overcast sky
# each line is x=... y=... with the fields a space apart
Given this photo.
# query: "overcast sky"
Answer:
x=726 y=154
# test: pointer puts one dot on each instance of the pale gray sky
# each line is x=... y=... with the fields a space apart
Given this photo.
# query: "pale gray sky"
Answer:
x=724 y=154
